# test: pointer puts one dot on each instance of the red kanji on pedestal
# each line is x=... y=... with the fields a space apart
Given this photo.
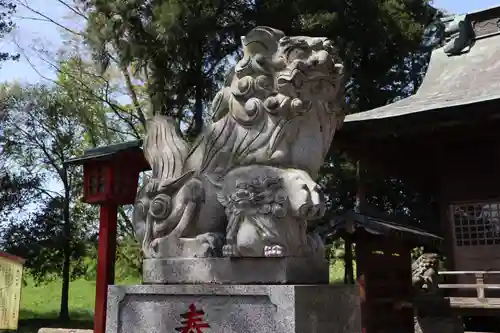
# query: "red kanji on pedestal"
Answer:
x=193 y=321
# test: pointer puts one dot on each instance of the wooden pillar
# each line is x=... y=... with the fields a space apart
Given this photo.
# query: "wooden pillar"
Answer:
x=362 y=252
x=359 y=207
x=106 y=253
x=362 y=256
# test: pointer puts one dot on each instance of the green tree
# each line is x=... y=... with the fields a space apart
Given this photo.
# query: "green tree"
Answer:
x=40 y=132
x=16 y=192
x=7 y=9
x=106 y=121
x=12 y=187
x=179 y=48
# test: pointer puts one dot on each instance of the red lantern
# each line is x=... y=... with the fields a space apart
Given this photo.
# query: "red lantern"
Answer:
x=113 y=180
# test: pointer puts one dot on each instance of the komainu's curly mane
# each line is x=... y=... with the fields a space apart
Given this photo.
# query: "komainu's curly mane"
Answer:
x=284 y=92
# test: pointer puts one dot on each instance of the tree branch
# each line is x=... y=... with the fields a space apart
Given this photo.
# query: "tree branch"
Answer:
x=117 y=109
x=71 y=8
x=28 y=7
x=133 y=95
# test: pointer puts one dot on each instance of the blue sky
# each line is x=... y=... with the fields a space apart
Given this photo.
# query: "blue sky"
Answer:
x=32 y=32
x=465 y=6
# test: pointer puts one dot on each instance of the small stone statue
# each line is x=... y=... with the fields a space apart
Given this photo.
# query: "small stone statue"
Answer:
x=246 y=187
x=425 y=273
x=433 y=312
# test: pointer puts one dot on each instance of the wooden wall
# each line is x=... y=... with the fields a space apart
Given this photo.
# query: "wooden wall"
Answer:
x=470 y=173
x=457 y=161
x=384 y=265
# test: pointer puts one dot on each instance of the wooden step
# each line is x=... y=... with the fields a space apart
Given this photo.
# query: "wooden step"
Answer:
x=474 y=303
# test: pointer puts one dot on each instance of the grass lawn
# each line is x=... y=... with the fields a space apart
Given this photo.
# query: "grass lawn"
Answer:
x=337 y=271
x=40 y=304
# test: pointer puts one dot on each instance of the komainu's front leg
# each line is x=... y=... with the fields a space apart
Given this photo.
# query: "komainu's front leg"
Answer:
x=230 y=249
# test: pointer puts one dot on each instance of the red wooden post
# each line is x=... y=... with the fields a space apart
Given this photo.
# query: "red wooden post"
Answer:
x=106 y=254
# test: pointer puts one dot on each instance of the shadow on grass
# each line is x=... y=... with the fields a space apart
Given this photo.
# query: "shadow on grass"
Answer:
x=31 y=322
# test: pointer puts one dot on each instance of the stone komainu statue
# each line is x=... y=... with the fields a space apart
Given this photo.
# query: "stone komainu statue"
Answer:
x=247 y=186
x=425 y=273
x=437 y=317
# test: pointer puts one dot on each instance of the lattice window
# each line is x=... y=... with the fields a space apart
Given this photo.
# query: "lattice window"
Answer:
x=476 y=223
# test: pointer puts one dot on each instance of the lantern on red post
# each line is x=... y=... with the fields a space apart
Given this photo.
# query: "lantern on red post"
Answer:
x=110 y=179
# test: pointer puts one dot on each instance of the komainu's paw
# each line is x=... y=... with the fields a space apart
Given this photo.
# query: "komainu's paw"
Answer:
x=211 y=245
x=305 y=195
x=274 y=251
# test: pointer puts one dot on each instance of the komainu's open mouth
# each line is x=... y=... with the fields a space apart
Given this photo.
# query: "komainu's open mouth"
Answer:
x=297 y=81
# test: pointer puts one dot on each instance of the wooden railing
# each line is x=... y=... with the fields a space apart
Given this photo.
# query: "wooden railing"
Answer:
x=480 y=286
x=480 y=301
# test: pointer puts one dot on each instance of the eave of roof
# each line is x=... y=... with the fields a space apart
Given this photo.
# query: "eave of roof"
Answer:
x=452 y=80
x=104 y=152
x=12 y=258
x=383 y=227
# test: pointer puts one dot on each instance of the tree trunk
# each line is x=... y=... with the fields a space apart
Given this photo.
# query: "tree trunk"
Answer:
x=64 y=310
x=360 y=208
x=197 y=125
x=198 y=108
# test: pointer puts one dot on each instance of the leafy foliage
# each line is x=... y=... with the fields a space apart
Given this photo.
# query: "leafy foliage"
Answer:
x=179 y=48
x=379 y=40
x=104 y=118
x=41 y=240
x=7 y=8
x=16 y=192
x=41 y=131
x=128 y=260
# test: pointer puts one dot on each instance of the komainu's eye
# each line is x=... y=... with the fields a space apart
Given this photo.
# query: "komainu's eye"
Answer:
x=160 y=207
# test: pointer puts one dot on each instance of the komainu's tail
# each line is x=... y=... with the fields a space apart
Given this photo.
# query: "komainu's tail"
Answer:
x=166 y=152
x=164 y=148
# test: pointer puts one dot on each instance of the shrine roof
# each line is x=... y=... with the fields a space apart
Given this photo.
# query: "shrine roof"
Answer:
x=105 y=152
x=464 y=68
x=352 y=221
x=12 y=258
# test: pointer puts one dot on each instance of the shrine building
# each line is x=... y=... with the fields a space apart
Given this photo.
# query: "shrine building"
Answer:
x=444 y=141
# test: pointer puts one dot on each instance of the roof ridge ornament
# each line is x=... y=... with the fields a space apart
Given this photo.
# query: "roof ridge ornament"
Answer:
x=452 y=33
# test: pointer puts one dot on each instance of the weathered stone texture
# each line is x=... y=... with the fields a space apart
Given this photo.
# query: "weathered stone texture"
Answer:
x=235 y=308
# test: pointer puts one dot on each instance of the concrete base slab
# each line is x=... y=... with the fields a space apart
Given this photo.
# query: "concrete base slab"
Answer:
x=233 y=309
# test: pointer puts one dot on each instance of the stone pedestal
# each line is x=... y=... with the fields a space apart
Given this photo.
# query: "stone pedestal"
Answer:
x=233 y=309
x=288 y=270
